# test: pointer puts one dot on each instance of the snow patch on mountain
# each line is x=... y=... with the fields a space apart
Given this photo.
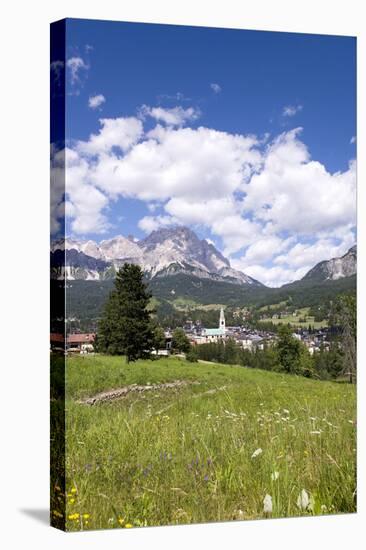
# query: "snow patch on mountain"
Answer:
x=163 y=252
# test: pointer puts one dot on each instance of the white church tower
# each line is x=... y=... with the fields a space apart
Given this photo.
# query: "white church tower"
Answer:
x=222 y=320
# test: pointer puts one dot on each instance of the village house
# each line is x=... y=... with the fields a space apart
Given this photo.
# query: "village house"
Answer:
x=82 y=343
x=76 y=342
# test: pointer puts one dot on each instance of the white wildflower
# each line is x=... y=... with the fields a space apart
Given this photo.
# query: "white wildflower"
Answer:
x=275 y=476
x=303 y=500
x=316 y=432
x=267 y=504
x=286 y=411
x=323 y=508
x=257 y=452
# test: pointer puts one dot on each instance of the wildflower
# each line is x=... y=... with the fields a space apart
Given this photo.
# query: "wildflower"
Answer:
x=74 y=490
x=286 y=411
x=74 y=516
x=257 y=452
x=86 y=516
x=323 y=508
x=128 y=525
x=303 y=500
x=121 y=521
x=316 y=432
x=275 y=476
x=72 y=500
x=267 y=504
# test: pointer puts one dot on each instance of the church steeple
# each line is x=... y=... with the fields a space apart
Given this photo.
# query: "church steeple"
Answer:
x=222 y=320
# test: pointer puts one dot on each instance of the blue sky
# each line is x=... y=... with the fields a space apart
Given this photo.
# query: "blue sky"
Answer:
x=288 y=98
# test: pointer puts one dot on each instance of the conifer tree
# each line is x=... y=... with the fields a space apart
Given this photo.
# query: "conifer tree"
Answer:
x=125 y=328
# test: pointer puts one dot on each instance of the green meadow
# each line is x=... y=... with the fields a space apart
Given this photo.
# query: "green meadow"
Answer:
x=301 y=319
x=211 y=449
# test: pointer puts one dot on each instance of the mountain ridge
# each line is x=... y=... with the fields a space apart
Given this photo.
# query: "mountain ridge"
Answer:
x=167 y=252
x=334 y=268
x=164 y=252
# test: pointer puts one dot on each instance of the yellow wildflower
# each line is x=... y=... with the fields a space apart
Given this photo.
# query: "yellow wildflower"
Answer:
x=86 y=516
x=121 y=521
x=72 y=500
x=128 y=525
x=74 y=490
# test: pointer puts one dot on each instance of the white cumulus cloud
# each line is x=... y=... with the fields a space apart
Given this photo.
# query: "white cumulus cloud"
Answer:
x=275 y=210
x=76 y=65
x=96 y=101
x=115 y=133
x=175 y=116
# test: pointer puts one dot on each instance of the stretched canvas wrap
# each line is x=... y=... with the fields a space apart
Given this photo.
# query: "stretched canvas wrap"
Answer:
x=203 y=275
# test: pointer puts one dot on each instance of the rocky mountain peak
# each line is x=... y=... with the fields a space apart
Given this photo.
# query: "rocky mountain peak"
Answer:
x=335 y=268
x=164 y=252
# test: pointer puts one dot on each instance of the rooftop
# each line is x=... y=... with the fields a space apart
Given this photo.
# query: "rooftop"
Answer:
x=213 y=332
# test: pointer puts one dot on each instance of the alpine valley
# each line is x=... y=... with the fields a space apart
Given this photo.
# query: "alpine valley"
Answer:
x=184 y=273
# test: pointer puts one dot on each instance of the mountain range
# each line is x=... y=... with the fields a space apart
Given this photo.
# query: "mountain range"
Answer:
x=168 y=252
x=163 y=253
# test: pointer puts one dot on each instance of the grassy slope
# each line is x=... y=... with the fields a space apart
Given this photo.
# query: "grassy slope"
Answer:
x=182 y=456
x=303 y=313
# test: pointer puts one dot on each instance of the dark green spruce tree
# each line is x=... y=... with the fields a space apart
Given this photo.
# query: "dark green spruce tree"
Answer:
x=125 y=328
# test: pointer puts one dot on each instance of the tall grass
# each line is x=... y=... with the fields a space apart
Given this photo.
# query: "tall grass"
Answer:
x=189 y=454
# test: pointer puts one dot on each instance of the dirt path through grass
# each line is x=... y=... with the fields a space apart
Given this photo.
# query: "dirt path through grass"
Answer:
x=123 y=392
